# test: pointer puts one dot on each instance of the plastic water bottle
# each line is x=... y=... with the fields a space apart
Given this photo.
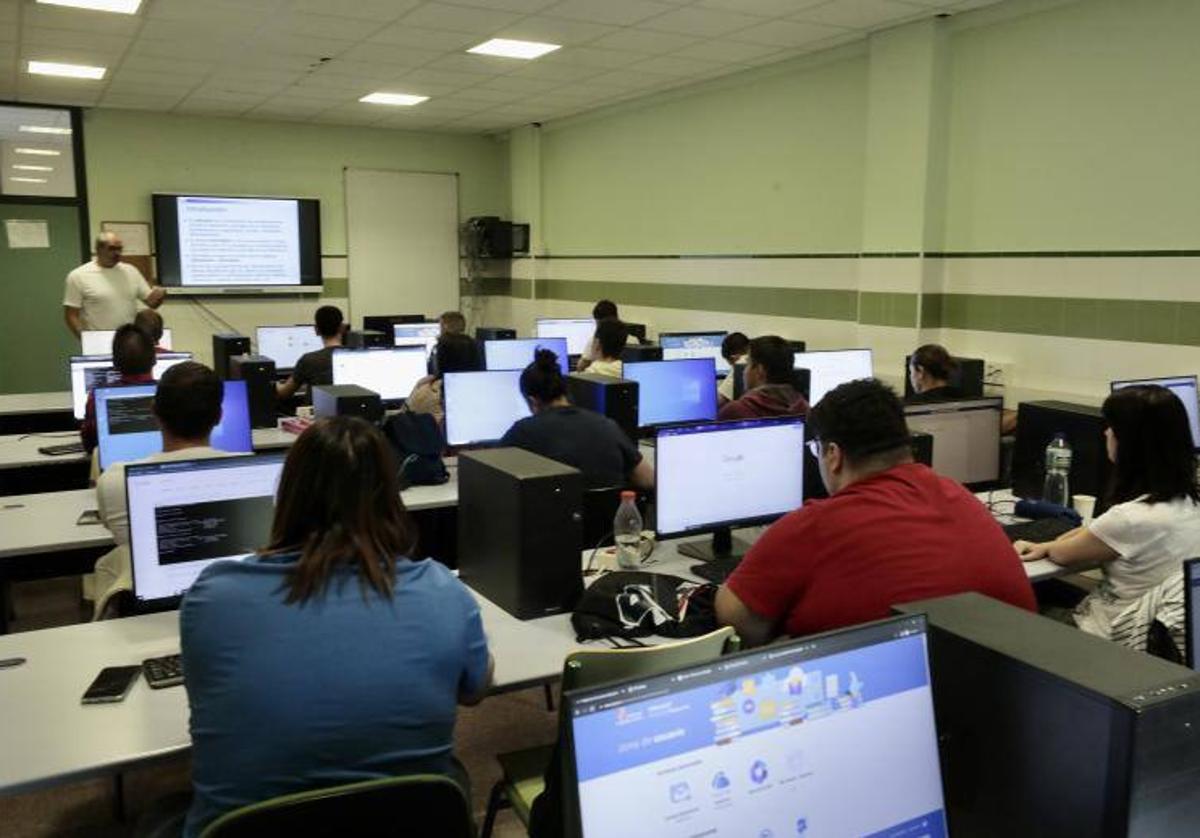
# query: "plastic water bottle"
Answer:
x=1056 y=489
x=627 y=532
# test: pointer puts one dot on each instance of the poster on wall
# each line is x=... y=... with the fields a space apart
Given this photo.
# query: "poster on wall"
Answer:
x=27 y=234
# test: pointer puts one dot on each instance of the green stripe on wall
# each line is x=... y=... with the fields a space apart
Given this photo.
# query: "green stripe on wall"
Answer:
x=879 y=308
x=498 y=286
x=335 y=286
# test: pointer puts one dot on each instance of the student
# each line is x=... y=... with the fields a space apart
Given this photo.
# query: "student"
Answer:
x=581 y=438
x=770 y=390
x=133 y=356
x=452 y=323
x=734 y=348
x=316 y=367
x=892 y=531
x=187 y=406
x=602 y=311
x=1154 y=522
x=605 y=349
x=151 y=322
x=929 y=372
x=454 y=353
x=330 y=656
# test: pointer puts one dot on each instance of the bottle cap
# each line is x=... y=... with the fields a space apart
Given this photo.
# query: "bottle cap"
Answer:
x=628 y=495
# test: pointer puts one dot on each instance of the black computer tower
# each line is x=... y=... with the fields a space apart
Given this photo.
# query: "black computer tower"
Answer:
x=638 y=330
x=616 y=398
x=1048 y=731
x=645 y=352
x=362 y=339
x=520 y=530
x=798 y=345
x=967 y=377
x=225 y=346
x=346 y=400
x=1083 y=427
x=922 y=448
x=258 y=372
x=483 y=333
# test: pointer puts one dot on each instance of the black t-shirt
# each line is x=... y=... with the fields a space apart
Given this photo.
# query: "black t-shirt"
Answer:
x=315 y=367
x=938 y=394
x=580 y=438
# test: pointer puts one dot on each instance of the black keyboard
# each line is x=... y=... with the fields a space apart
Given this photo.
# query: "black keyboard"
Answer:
x=716 y=571
x=166 y=671
x=61 y=450
x=1038 y=531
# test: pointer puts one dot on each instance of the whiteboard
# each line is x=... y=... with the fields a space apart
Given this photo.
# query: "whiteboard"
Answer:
x=402 y=242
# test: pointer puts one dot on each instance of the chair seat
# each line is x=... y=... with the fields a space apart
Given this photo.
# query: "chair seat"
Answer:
x=524 y=777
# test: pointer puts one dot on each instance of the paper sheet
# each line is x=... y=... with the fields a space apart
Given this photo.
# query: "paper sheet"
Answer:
x=26 y=234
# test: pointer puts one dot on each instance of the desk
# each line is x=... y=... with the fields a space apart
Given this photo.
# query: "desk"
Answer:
x=22 y=413
x=21 y=450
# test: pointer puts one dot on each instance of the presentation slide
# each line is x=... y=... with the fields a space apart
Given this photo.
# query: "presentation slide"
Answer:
x=518 y=354
x=238 y=241
x=482 y=406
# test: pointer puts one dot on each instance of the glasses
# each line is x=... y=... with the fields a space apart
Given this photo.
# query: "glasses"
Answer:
x=814 y=445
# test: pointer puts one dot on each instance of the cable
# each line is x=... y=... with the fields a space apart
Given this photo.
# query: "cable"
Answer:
x=588 y=570
x=220 y=320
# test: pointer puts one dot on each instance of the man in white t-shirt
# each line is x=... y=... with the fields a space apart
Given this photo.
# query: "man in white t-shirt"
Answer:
x=103 y=293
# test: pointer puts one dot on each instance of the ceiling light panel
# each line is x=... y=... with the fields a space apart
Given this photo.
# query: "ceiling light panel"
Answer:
x=70 y=71
x=44 y=129
x=402 y=99
x=124 y=7
x=508 y=48
x=40 y=152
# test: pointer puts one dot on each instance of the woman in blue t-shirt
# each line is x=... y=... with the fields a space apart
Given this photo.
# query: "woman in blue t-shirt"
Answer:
x=330 y=656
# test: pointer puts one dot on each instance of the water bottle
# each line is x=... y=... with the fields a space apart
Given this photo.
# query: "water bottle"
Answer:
x=627 y=532
x=1056 y=489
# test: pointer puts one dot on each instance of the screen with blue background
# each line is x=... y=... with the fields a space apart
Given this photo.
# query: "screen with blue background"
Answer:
x=518 y=354
x=674 y=391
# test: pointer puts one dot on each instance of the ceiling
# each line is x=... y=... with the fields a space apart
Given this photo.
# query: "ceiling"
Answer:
x=310 y=60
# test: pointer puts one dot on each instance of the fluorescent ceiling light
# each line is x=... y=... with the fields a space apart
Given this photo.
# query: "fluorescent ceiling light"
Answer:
x=28 y=179
x=406 y=99
x=124 y=7
x=507 y=48
x=45 y=129
x=41 y=152
x=24 y=168
x=70 y=71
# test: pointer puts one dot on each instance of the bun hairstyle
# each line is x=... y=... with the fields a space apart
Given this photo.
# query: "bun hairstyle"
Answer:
x=543 y=380
x=935 y=360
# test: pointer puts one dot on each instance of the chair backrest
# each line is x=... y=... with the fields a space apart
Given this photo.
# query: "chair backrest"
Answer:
x=599 y=666
x=416 y=806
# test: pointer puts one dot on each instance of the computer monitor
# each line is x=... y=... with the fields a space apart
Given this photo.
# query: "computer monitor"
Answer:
x=390 y=372
x=518 y=354
x=676 y=345
x=827 y=735
x=91 y=371
x=966 y=376
x=966 y=438
x=1184 y=388
x=482 y=406
x=715 y=476
x=127 y=430
x=578 y=331
x=831 y=367
x=99 y=341
x=186 y=514
x=674 y=391
x=417 y=334
x=285 y=344
x=384 y=322
x=1191 y=607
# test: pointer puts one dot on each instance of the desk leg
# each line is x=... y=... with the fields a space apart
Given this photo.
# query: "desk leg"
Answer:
x=549 y=690
x=118 y=797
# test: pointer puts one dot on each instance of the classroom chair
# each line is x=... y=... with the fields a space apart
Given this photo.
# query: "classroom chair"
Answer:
x=524 y=771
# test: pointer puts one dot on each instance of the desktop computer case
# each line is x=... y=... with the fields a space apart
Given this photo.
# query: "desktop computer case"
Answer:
x=226 y=346
x=1047 y=731
x=520 y=530
x=259 y=374
x=616 y=398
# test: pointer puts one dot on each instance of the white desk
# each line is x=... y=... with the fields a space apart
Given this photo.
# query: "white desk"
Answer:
x=14 y=404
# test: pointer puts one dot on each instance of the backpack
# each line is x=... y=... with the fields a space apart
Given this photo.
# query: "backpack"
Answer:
x=417 y=441
x=634 y=604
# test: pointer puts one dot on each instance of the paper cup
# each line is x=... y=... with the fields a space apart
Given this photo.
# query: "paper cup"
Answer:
x=1085 y=505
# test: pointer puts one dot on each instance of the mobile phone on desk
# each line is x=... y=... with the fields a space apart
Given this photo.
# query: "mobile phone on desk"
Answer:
x=112 y=684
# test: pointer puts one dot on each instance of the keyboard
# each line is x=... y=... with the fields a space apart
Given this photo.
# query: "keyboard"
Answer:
x=1038 y=531
x=61 y=450
x=166 y=671
x=716 y=571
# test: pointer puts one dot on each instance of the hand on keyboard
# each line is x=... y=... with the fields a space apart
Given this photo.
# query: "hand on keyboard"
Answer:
x=1030 y=552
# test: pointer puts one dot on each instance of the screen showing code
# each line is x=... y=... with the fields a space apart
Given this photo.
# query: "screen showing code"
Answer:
x=132 y=416
x=213 y=529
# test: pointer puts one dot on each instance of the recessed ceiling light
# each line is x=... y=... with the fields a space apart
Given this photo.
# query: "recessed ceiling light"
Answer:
x=44 y=129
x=71 y=71
x=124 y=7
x=41 y=152
x=508 y=48
x=25 y=168
x=406 y=99
x=28 y=179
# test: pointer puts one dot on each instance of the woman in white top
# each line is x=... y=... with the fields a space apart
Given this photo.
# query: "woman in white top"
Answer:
x=1153 y=524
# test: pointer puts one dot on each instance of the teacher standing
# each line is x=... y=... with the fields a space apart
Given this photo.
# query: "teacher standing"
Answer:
x=104 y=293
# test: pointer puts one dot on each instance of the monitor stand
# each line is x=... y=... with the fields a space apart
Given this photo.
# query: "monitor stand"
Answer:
x=723 y=546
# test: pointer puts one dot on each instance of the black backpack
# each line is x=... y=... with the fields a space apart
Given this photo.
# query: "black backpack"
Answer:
x=418 y=443
x=635 y=604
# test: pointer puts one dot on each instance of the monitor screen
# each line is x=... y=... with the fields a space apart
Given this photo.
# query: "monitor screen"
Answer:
x=1191 y=598
x=392 y=373
x=99 y=342
x=417 y=334
x=827 y=735
x=128 y=431
x=830 y=368
x=578 y=332
x=674 y=391
x=728 y=473
x=1184 y=387
x=966 y=437
x=518 y=354
x=91 y=371
x=676 y=345
x=285 y=344
x=482 y=406
x=186 y=514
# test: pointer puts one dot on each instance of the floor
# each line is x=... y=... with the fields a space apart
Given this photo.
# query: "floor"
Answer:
x=501 y=723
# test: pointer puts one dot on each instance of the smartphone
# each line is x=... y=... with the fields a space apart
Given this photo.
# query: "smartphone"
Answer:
x=89 y=516
x=112 y=684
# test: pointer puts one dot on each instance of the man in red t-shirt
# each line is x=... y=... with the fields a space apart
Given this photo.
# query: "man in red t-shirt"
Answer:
x=892 y=531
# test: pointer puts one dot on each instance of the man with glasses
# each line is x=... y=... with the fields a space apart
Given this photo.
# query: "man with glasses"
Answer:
x=103 y=294
x=892 y=531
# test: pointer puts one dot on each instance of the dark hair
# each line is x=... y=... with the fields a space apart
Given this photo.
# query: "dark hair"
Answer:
x=611 y=335
x=187 y=401
x=734 y=345
x=865 y=419
x=935 y=360
x=1155 y=451
x=329 y=321
x=453 y=322
x=457 y=352
x=775 y=356
x=605 y=310
x=339 y=504
x=150 y=322
x=133 y=350
x=543 y=379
